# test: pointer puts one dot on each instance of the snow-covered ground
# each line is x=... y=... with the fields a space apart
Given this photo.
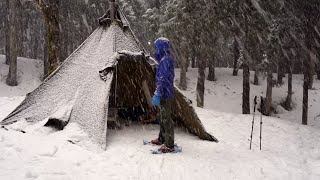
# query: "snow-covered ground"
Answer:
x=226 y=94
x=289 y=149
x=29 y=77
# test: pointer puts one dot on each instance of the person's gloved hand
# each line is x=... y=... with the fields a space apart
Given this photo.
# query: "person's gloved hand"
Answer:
x=156 y=99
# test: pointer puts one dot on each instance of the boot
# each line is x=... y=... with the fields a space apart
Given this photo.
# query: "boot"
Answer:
x=156 y=142
x=165 y=149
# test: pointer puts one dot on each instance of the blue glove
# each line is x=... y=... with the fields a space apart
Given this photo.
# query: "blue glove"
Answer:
x=156 y=99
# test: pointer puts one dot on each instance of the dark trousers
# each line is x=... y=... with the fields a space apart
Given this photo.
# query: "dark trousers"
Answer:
x=166 y=134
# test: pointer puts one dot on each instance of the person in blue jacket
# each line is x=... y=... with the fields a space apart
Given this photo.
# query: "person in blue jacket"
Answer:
x=164 y=94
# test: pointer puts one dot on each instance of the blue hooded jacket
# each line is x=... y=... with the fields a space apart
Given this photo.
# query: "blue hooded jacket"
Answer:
x=165 y=71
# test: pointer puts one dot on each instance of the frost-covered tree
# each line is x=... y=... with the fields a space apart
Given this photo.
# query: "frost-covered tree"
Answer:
x=290 y=50
x=245 y=21
x=134 y=11
x=304 y=33
x=310 y=16
x=151 y=23
x=298 y=39
x=78 y=21
x=272 y=48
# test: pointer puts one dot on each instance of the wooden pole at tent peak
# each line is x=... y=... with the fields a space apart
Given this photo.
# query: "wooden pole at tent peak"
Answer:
x=112 y=10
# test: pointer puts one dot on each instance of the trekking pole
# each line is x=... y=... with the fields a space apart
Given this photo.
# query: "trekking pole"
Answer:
x=260 y=123
x=254 y=112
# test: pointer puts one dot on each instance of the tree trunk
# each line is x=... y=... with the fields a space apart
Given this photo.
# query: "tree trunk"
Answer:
x=268 y=101
x=45 y=58
x=177 y=63
x=7 y=46
x=187 y=63
x=236 y=53
x=311 y=71
x=306 y=83
x=212 y=75
x=53 y=35
x=280 y=74
x=193 y=62
x=305 y=99
x=200 y=83
x=193 y=57
x=183 y=74
x=246 y=90
x=256 y=78
x=288 y=103
x=36 y=46
x=309 y=62
x=12 y=75
x=7 y=34
x=318 y=70
x=51 y=16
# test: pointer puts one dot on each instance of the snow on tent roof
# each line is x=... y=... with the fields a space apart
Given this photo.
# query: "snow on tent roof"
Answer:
x=77 y=93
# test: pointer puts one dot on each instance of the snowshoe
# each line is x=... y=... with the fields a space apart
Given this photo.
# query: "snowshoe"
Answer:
x=164 y=149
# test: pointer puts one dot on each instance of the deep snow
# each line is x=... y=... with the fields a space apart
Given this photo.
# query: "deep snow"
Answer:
x=225 y=94
x=289 y=149
x=29 y=77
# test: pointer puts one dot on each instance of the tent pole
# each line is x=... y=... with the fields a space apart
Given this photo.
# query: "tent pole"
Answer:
x=112 y=10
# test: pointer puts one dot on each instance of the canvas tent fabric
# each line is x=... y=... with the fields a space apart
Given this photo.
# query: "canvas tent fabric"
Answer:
x=111 y=61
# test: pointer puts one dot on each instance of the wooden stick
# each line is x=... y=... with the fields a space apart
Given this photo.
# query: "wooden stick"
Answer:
x=147 y=93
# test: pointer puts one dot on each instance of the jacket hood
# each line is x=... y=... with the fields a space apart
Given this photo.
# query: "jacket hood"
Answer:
x=162 y=46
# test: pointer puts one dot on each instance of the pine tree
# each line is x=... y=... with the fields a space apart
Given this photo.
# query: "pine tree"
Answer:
x=246 y=22
x=308 y=14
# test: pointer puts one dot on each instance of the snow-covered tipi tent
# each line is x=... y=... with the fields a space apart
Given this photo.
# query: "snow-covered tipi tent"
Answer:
x=105 y=72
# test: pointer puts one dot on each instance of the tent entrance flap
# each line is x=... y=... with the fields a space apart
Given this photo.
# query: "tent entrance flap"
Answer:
x=127 y=89
x=133 y=76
